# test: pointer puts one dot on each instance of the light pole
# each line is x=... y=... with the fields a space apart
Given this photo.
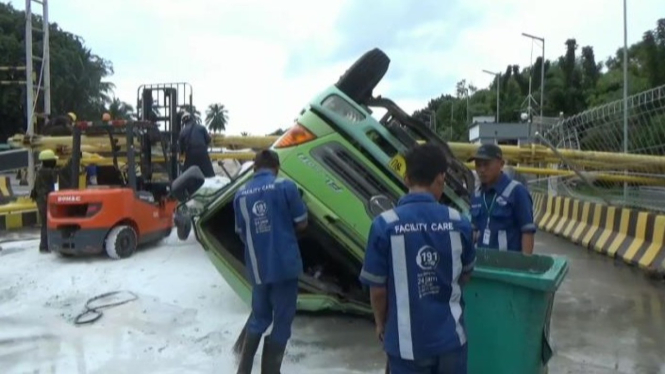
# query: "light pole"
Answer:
x=466 y=91
x=625 y=79
x=498 y=83
x=625 y=90
x=542 y=74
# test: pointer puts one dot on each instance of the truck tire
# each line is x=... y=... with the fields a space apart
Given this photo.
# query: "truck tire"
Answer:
x=187 y=183
x=121 y=242
x=364 y=75
x=183 y=224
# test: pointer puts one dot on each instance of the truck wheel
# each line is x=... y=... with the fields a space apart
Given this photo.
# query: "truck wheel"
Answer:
x=364 y=75
x=121 y=242
x=183 y=228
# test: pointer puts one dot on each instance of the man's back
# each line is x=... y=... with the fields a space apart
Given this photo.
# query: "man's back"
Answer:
x=194 y=137
x=429 y=246
x=266 y=209
x=44 y=183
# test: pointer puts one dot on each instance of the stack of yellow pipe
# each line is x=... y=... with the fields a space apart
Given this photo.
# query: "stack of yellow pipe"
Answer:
x=519 y=155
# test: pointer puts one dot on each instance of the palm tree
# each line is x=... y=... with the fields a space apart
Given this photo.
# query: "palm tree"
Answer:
x=120 y=110
x=217 y=117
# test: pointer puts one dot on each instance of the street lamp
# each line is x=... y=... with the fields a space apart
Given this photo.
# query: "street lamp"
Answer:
x=542 y=72
x=625 y=90
x=466 y=91
x=625 y=79
x=498 y=83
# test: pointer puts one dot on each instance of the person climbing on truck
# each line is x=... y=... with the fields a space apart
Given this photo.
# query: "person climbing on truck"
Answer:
x=501 y=208
x=194 y=141
x=418 y=256
x=268 y=212
x=46 y=182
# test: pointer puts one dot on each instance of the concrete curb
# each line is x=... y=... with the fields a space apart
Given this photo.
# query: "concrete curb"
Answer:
x=636 y=237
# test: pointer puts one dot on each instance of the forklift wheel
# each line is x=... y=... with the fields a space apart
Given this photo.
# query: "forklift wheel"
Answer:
x=121 y=242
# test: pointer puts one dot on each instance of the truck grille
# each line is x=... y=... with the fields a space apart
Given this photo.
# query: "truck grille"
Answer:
x=355 y=175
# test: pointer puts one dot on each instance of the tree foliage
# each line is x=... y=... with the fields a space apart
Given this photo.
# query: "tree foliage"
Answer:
x=574 y=82
x=216 y=117
x=78 y=76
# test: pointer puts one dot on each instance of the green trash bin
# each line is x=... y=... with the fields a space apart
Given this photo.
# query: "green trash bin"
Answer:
x=508 y=307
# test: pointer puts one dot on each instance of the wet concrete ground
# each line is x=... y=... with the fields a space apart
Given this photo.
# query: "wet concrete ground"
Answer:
x=607 y=318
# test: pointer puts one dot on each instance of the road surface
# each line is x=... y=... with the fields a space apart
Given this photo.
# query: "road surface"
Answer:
x=608 y=318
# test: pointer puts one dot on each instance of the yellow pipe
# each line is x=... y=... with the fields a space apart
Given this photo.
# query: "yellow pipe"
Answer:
x=532 y=154
x=21 y=204
x=593 y=175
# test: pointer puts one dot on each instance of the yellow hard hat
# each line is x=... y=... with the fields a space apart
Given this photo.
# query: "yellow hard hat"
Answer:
x=106 y=117
x=72 y=116
x=47 y=154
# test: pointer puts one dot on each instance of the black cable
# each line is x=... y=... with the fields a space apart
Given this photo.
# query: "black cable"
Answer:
x=95 y=310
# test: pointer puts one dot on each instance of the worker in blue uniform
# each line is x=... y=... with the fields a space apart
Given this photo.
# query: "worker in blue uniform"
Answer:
x=418 y=256
x=501 y=208
x=268 y=212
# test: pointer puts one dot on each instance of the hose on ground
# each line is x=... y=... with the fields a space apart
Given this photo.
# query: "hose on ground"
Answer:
x=92 y=312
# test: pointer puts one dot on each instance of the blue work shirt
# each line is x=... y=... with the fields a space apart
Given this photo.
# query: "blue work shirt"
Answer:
x=266 y=211
x=418 y=252
x=508 y=208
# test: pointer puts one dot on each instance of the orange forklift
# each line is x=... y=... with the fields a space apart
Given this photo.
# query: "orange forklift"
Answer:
x=124 y=210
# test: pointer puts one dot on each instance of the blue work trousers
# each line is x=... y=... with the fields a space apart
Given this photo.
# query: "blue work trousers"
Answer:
x=274 y=303
x=453 y=362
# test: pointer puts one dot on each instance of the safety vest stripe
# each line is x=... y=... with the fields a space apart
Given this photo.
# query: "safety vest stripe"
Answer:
x=403 y=310
x=456 y=294
x=249 y=240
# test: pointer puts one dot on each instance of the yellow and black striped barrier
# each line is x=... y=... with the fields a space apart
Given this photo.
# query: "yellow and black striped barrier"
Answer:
x=6 y=192
x=21 y=213
x=636 y=237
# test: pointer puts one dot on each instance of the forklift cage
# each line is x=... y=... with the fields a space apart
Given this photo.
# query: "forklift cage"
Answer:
x=163 y=103
x=143 y=130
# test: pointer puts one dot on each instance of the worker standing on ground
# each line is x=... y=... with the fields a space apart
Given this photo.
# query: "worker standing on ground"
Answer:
x=194 y=141
x=268 y=212
x=418 y=257
x=45 y=182
x=501 y=208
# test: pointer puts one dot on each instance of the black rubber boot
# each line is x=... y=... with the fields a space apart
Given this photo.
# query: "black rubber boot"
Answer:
x=271 y=359
x=249 y=348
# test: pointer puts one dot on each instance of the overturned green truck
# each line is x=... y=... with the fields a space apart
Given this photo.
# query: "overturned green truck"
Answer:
x=349 y=167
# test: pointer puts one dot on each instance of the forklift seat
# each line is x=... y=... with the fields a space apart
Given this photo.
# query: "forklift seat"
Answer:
x=158 y=189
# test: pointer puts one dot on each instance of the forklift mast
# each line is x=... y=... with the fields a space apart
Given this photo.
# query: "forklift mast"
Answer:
x=161 y=103
x=78 y=129
x=146 y=132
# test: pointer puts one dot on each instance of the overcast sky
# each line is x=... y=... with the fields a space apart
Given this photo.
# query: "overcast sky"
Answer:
x=265 y=59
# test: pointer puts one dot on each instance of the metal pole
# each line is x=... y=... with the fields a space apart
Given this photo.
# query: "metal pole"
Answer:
x=542 y=85
x=467 y=106
x=542 y=79
x=29 y=90
x=498 y=75
x=498 y=83
x=46 y=60
x=625 y=88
